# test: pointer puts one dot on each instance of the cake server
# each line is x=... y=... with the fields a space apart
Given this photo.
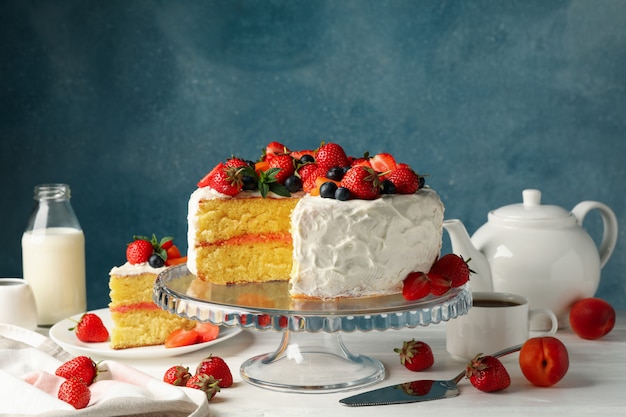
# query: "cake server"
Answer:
x=414 y=391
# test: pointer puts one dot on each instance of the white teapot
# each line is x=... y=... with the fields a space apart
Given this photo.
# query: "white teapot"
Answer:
x=538 y=251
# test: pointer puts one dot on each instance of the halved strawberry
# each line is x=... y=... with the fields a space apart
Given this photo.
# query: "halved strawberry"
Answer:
x=438 y=284
x=300 y=154
x=275 y=148
x=181 y=337
x=207 y=331
x=416 y=286
x=383 y=163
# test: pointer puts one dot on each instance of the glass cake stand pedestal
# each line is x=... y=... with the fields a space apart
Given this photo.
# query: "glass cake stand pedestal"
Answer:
x=311 y=357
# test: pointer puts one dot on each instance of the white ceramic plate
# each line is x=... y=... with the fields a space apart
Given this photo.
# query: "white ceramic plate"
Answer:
x=68 y=340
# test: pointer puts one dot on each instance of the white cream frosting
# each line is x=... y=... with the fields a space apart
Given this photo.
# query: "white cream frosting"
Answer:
x=351 y=248
x=363 y=247
x=136 y=269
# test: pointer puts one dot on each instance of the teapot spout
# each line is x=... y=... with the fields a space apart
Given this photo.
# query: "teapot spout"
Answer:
x=462 y=245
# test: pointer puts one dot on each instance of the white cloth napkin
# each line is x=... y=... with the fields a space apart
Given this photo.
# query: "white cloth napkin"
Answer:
x=29 y=387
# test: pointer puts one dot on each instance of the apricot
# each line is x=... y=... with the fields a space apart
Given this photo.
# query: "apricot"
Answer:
x=544 y=361
x=591 y=318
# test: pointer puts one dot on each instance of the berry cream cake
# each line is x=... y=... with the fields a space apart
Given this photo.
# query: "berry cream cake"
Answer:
x=137 y=320
x=332 y=225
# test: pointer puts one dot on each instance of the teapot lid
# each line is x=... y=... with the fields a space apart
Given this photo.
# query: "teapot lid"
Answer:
x=531 y=209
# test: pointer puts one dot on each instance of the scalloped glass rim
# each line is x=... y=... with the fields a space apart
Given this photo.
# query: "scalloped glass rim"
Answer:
x=370 y=313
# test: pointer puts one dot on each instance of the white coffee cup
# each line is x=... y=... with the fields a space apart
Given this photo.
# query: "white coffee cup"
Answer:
x=495 y=321
x=17 y=303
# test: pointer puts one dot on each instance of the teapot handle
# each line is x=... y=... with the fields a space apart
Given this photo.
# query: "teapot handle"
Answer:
x=609 y=235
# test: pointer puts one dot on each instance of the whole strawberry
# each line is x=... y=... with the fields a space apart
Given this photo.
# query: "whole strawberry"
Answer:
x=308 y=173
x=415 y=356
x=75 y=393
x=217 y=368
x=138 y=251
x=362 y=182
x=224 y=179
x=177 y=375
x=405 y=180
x=331 y=155
x=81 y=368
x=285 y=165
x=453 y=268
x=91 y=329
x=487 y=374
x=205 y=383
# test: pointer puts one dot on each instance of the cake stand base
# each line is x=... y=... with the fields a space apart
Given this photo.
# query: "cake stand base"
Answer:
x=311 y=363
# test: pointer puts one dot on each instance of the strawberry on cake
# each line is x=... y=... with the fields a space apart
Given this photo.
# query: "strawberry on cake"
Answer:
x=332 y=225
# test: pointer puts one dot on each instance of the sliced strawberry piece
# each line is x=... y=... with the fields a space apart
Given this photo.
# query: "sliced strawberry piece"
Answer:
x=383 y=162
x=181 y=337
x=416 y=286
x=207 y=331
x=275 y=148
x=439 y=285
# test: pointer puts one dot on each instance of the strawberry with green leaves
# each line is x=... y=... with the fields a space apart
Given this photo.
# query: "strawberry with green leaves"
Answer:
x=487 y=374
x=285 y=164
x=362 y=182
x=415 y=355
x=177 y=375
x=81 y=368
x=217 y=368
x=205 y=383
x=453 y=268
x=90 y=329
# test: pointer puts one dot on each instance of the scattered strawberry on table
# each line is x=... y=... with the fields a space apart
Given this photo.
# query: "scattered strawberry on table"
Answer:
x=488 y=374
x=90 y=329
x=449 y=271
x=211 y=374
x=177 y=375
x=155 y=252
x=415 y=355
x=79 y=373
x=216 y=367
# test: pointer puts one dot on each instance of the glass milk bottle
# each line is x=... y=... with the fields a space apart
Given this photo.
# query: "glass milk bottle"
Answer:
x=53 y=255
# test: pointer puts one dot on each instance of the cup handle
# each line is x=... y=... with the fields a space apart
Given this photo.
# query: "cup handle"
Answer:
x=545 y=311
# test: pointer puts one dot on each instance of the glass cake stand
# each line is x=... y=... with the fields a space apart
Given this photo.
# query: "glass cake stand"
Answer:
x=311 y=356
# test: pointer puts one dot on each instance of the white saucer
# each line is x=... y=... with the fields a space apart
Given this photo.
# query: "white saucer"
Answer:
x=67 y=339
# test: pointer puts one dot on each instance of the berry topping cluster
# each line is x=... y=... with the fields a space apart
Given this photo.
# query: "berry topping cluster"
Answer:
x=326 y=172
x=156 y=252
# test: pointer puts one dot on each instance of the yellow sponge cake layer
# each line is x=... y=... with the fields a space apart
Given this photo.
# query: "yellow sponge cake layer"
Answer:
x=137 y=320
x=243 y=239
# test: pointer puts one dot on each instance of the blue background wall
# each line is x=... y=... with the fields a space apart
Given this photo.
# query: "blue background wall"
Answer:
x=132 y=102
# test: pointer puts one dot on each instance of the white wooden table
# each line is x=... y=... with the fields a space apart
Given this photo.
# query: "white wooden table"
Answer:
x=595 y=384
